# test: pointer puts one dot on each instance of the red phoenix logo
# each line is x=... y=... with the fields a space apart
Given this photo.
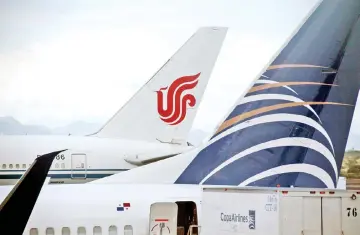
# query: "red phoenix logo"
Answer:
x=175 y=110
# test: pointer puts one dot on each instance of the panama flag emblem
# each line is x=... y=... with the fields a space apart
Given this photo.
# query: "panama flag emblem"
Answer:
x=123 y=207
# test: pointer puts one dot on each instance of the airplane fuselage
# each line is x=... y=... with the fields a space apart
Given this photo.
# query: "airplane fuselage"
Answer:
x=84 y=206
x=87 y=158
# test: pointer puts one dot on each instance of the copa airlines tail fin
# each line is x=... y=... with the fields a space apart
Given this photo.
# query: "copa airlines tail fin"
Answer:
x=292 y=125
x=164 y=109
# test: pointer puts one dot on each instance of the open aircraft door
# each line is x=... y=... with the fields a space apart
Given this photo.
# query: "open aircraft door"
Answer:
x=163 y=218
x=78 y=166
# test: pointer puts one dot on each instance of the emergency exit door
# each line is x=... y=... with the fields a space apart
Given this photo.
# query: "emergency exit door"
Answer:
x=163 y=218
x=78 y=166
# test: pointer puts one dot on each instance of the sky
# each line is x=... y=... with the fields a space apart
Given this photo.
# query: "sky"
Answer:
x=64 y=61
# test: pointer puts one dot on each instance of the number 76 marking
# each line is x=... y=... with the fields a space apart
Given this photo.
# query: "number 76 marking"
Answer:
x=352 y=211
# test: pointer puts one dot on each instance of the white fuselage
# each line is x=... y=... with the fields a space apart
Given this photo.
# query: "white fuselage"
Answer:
x=87 y=158
x=86 y=206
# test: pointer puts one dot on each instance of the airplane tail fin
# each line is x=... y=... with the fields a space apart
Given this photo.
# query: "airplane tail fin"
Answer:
x=292 y=125
x=164 y=109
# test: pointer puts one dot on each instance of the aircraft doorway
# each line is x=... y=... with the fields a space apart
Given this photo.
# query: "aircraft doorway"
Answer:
x=78 y=166
x=187 y=216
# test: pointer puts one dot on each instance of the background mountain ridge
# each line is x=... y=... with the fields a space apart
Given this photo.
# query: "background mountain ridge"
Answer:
x=10 y=126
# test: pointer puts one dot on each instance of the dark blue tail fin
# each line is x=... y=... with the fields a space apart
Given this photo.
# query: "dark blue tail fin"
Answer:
x=292 y=126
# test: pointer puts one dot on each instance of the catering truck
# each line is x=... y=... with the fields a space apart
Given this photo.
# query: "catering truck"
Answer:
x=251 y=210
x=279 y=211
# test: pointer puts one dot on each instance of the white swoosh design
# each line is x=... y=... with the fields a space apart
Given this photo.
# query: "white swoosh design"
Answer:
x=265 y=81
x=303 y=168
x=261 y=97
x=278 y=117
x=283 y=142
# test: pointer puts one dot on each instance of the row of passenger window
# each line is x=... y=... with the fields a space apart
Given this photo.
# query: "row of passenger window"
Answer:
x=24 y=166
x=97 y=230
x=11 y=166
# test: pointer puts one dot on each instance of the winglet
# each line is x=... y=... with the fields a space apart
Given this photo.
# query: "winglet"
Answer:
x=19 y=203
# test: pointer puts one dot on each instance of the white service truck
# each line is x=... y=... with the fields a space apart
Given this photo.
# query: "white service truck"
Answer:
x=279 y=211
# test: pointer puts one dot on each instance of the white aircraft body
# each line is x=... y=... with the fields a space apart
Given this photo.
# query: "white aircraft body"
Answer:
x=125 y=206
x=154 y=124
x=272 y=137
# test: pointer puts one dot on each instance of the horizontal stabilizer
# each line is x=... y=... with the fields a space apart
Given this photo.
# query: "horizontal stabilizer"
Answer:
x=146 y=158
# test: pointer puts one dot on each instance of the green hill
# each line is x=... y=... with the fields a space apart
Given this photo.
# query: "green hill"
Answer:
x=351 y=164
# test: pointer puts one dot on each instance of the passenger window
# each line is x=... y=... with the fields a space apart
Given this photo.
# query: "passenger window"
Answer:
x=81 y=231
x=34 y=231
x=97 y=230
x=113 y=230
x=128 y=230
x=11 y=166
x=17 y=166
x=57 y=165
x=24 y=166
x=3 y=166
x=50 y=231
x=65 y=231
x=62 y=165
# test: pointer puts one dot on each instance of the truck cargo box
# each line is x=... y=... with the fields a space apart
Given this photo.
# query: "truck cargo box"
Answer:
x=279 y=211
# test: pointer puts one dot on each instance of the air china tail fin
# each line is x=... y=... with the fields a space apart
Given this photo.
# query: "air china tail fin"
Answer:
x=292 y=125
x=164 y=109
